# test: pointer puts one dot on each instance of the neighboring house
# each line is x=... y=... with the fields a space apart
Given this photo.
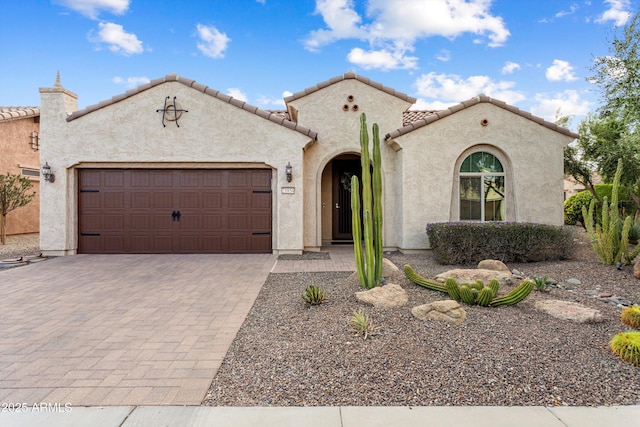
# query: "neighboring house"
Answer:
x=175 y=166
x=571 y=186
x=19 y=155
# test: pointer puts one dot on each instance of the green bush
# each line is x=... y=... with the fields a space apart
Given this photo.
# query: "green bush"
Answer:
x=468 y=242
x=573 y=205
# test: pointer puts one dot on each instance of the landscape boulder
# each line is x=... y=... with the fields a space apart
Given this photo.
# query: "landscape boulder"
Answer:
x=462 y=275
x=568 y=310
x=388 y=296
x=446 y=311
x=493 y=264
x=636 y=268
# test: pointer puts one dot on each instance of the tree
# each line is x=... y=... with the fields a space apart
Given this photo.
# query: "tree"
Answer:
x=14 y=193
x=618 y=76
x=613 y=132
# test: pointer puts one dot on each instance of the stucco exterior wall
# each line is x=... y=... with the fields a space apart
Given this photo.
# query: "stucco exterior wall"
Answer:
x=531 y=154
x=129 y=133
x=339 y=133
x=17 y=153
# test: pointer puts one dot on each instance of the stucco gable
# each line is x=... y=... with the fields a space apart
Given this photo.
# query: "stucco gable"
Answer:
x=268 y=115
x=347 y=76
x=434 y=116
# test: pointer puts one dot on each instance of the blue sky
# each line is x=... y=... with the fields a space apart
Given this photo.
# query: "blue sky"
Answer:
x=532 y=54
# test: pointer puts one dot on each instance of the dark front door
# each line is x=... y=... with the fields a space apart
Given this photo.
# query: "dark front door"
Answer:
x=174 y=211
x=343 y=170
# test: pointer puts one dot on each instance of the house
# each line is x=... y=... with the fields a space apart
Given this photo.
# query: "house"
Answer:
x=19 y=155
x=175 y=166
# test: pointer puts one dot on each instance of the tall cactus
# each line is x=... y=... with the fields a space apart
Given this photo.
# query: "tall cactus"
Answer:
x=369 y=259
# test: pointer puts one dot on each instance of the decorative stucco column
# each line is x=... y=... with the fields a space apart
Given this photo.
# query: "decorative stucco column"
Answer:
x=56 y=104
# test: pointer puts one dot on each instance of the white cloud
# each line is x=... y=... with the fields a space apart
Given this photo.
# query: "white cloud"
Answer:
x=510 y=67
x=560 y=71
x=422 y=104
x=130 y=82
x=212 y=42
x=393 y=26
x=381 y=59
x=261 y=1
x=237 y=93
x=619 y=12
x=118 y=40
x=451 y=87
x=91 y=8
x=568 y=102
x=274 y=102
x=444 y=56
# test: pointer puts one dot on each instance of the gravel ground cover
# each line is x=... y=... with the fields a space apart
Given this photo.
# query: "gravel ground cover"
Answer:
x=289 y=354
x=20 y=245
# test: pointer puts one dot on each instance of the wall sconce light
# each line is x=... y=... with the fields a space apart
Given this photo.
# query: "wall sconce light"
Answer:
x=46 y=173
x=289 y=171
x=35 y=140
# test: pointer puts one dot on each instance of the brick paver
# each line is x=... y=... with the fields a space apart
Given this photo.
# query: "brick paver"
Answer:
x=122 y=329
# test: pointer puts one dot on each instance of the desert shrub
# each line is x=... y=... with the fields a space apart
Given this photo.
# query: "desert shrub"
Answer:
x=363 y=325
x=573 y=205
x=469 y=243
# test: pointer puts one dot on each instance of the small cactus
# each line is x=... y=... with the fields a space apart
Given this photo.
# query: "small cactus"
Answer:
x=314 y=295
x=631 y=316
x=626 y=346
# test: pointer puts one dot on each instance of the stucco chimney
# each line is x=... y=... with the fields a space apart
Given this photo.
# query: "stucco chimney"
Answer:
x=56 y=103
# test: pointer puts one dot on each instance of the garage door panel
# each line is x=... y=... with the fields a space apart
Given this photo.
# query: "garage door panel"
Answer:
x=130 y=211
x=261 y=201
x=189 y=201
x=140 y=200
x=238 y=200
x=163 y=200
x=260 y=222
x=140 y=243
x=140 y=222
x=113 y=179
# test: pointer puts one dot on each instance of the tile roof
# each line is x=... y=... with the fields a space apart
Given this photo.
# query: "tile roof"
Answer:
x=346 y=76
x=437 y=115
x=14 y=113
x=268 y=115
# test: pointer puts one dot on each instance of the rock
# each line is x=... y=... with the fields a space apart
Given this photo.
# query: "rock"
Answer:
x=574 y=282
x=636 y=268
x=567 y=310
x=492 y=264
x=605 y=295
x=389 y=270
x=471 y=275
x=388 y=296
x=446 y=311
x=516 y=272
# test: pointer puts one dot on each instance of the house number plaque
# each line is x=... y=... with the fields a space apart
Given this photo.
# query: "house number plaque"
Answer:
x=288 y=190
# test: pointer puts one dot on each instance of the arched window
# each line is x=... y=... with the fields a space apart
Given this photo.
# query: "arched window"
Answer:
x=482 y=192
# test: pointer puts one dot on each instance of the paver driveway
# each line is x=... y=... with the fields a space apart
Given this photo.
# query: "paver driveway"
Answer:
x=122 y=329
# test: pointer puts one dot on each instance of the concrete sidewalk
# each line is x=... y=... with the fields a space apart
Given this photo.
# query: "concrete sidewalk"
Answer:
x=201 y=416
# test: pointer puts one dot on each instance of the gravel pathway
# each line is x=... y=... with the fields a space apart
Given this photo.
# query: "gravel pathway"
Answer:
x=288 y=354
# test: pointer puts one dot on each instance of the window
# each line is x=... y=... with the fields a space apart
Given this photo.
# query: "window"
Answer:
x=482 y=188
x=30 y=172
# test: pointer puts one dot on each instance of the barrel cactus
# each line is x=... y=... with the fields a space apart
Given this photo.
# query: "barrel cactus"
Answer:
x=631 y=316
x=626 y=346
x=476 y=293
x=369 y=259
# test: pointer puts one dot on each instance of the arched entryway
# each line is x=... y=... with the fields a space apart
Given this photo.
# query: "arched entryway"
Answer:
x=336 y=198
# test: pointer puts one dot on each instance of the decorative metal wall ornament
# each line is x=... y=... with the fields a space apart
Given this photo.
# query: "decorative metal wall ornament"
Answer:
x=172 y=111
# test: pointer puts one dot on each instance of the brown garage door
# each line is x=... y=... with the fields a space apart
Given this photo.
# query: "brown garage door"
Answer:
x=174 y=211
